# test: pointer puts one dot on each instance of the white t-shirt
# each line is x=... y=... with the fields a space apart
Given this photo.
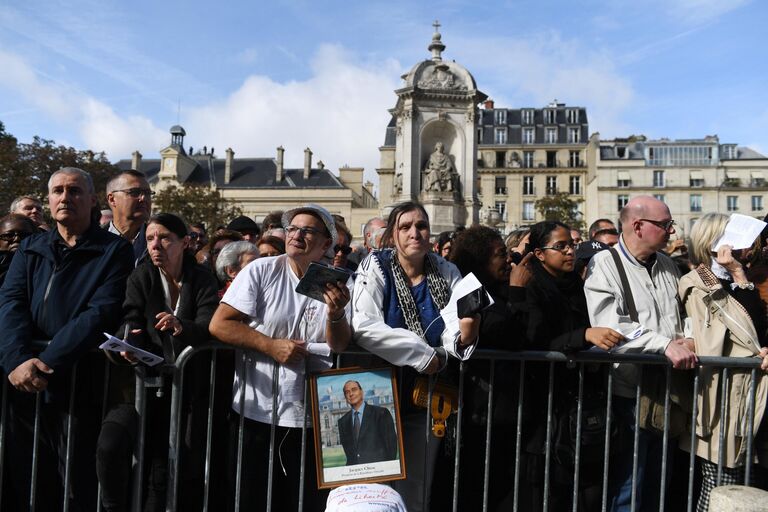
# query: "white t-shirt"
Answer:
x=364 y=498
x=264 y=290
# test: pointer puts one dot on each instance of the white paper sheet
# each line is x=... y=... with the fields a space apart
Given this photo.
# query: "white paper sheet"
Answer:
x=117 y=345
x=740 y=232
x=467 y=285
x=319 y=349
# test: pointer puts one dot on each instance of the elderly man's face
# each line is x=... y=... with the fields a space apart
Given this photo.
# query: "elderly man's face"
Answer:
x=32 y=209
x=69 y=199
x=310 y=240
x=131 y=201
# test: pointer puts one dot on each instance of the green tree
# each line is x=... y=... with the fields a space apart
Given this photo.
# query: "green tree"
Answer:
x=196 y=203
x=561 y=207
x=25 y=168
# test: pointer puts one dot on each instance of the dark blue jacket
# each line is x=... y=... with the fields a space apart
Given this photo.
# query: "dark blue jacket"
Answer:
x=69 y=301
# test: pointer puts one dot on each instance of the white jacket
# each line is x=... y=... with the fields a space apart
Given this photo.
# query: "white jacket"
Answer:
x=655 y=299
x=397 y=346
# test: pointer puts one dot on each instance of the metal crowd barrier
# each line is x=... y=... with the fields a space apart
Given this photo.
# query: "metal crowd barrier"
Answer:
x=493 y=357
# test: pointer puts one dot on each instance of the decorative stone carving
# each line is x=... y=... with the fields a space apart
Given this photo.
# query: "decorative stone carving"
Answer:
x=470 y=117
x=439 y=77
x=398 y=188
x=513 y=160
x=439 y=172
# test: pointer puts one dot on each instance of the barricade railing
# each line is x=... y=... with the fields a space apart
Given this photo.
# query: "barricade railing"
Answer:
x=552 y=361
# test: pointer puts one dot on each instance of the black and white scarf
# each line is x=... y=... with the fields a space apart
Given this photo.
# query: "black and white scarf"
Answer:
x=438 y=290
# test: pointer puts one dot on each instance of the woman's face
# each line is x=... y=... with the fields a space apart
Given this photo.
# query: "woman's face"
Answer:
x=411 y=234
x=165 y=248
x=558 y=255
x=497 y=267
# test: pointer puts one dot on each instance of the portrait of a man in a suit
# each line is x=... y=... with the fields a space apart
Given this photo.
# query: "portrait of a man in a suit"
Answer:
x=367 y=431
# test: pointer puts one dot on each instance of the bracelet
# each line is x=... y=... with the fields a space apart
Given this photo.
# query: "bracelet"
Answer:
x=337 y=320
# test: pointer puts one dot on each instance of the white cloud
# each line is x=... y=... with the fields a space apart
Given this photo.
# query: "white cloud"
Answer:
x=339 y=112
x=696 y=12
x=22 y=79
x=537 y=70
x=103 y=130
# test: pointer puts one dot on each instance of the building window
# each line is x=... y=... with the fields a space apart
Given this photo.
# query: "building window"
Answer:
x=501 y=184
x=695 y=202
x=623 y=199
x=500 y=136
x=732 y=203
x=658 y=179
x=574 y=135
x=574 y=158
x=528 y=159
x=575 y=185
x=528 y=211
x=621 y=151
x=528 y=135
x=729 y=152
x=697 y=182
x=551 y=136
x=527 y=116
x=500 y=117
x=660 y=197
x=480 y=135
x=757 y=203
x=552 y=159
x=549 y=116
x=501 y=207
x=572 y=115
x=551 y=185
x=623 y=180
x=528 y=185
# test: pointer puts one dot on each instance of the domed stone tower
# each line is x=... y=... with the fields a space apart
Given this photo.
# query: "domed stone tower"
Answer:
x=430 y=153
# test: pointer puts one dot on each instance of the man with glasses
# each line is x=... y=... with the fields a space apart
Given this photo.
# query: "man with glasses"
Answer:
x=343 y=247
x=262 y=314
x=130 y=199
x=604 y=231
x=652 y=277
x=66 y=286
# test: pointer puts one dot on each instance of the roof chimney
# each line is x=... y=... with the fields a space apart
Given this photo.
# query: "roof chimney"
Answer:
x=307 y=163
x=488 y=104
x=228 y=165
x=136 y=160
x=320 y=164
x=280 y=153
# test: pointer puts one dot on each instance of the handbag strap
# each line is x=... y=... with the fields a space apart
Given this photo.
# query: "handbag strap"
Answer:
x=628 y=297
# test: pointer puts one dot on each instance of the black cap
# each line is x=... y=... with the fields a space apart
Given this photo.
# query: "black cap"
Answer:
x=243 y=223
x=588 y=249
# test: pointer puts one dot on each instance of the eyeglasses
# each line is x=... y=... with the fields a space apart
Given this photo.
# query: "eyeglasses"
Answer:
x=305 y=232
x=666 y=225
x=136 y=192
x=10 y=236
x=344 y=249
x=561 y=247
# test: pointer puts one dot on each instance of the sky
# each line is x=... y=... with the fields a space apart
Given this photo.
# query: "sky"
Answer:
x=114 y=76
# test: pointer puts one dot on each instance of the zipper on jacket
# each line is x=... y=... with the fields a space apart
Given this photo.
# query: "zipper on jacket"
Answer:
x=48 y=290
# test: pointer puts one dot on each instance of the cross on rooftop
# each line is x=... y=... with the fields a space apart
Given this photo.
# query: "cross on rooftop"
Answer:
x=436 y=24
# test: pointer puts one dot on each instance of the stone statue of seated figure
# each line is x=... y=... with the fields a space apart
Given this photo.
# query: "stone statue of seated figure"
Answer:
x=439 y=171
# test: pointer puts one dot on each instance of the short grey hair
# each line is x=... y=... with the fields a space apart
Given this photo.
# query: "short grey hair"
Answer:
x=74 y=170
x=15 y=203
x=230 y=257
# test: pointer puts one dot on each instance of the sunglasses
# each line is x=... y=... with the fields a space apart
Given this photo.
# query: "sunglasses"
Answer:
x=665 y=225
x=344 y=249
x=10 y=236
x=137 y=192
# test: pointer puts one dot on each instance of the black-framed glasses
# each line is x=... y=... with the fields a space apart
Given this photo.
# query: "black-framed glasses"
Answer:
x=305 y=231
x=10 y=236
x=666 y=225
x=561 y=247
x=136 y=192
x=344 y=249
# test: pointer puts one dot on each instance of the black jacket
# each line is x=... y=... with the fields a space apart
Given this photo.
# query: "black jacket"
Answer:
x=377 y=440
x=69 y=299
x=145 y=299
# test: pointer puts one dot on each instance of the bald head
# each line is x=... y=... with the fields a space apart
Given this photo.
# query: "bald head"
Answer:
x=646 y=225
x=642 y=207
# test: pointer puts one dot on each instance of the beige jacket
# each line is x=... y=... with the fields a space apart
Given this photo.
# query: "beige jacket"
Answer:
x=721 y=327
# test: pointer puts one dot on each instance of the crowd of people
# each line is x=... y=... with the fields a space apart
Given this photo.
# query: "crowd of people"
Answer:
x=163 y=285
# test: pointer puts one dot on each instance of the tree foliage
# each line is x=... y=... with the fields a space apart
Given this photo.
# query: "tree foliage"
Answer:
x=196 y=203
x=561 y=207
x=25 y=168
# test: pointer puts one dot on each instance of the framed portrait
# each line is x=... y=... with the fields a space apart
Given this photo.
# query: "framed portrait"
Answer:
x=356 y=418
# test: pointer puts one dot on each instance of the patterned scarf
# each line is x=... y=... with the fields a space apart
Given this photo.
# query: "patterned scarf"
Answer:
x=438 y=290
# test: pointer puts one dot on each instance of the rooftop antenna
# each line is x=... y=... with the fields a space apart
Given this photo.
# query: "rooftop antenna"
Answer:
x=178 y=112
